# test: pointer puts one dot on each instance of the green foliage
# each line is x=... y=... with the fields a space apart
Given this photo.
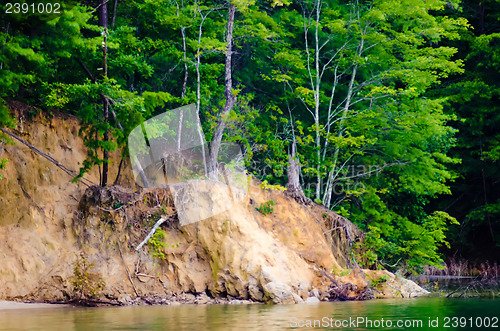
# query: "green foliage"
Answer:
x=87 y=284
x=266 y=207
x=398 y=243
x=157 y=244
x=3 y=162
x=341 y=272
x=375 y=282
x=5 y=121
x=5 y=118
x=266 y=186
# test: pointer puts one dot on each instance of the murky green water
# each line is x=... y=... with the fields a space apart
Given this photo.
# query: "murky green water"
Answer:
x=333 y=316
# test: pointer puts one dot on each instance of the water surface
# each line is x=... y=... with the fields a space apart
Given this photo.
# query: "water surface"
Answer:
x=255 y=317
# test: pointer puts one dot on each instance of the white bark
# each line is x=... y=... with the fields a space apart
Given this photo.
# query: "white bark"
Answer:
x=151 y=233
x=198 y=93
x=331 y=175
x=228 y=93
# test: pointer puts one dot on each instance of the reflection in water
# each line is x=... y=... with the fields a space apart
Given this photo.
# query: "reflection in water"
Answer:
x=241 y=317
x=460 y=286
x=448 y=283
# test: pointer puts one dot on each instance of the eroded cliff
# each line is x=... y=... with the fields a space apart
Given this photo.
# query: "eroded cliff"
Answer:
x=47 y=222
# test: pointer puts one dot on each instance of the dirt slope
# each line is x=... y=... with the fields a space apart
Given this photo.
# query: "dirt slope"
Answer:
x=46 y=222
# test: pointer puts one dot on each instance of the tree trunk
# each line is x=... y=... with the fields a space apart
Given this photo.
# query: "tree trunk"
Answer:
x=198 y=94
x=230 y=98
x=119 y=171
x=480 y=11
x=114 y=14
x=184 y=84
x=316 y=103
x=105 y=153
x=104 y=23
x=294 y=189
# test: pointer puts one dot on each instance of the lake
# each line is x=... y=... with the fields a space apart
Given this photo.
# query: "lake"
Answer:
x=382 y=314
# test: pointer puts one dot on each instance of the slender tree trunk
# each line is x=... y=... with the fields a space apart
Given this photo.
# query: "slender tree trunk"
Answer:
x=144 y=178
x=184 y=85
x=198 y=94
x=330 y=105
x=316 y=102
x=480 y=11
x=186 y=72
x=105 y=153
x=104 y=24
x=119 y=171
x=114 y=14
x=331 y=175
x=230 y=98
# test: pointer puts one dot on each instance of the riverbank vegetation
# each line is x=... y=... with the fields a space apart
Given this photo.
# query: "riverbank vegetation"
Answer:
x=383 y=111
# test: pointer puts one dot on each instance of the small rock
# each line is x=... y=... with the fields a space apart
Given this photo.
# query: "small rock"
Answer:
x=267 y=274
x=187 y=298
x=169 y=295
x=312 y=300
x=303 y=290
x=202 y=299
x=297 y=298
x=124 y=299
x=304 y=286
x=279 y=292
x=315 y=293
x=236 y=302
x=254 y=289
x=324 y=296
x=408 y=288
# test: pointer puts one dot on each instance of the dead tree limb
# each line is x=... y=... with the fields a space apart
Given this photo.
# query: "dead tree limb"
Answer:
x=151 y=233
x=49 y=158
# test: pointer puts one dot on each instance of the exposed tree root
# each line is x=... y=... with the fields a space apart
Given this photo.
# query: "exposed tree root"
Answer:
x=347 y=291
x=298 y=196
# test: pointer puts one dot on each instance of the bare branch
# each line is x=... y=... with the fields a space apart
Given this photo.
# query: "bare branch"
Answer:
x=151 y=233
x=49 y=158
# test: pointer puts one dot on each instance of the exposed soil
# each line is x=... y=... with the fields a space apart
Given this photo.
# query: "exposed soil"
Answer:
x=241 y=255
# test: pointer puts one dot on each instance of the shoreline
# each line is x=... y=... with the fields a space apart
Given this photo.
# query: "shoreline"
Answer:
x=156 y=300
x=126 y=301
x=17 y=305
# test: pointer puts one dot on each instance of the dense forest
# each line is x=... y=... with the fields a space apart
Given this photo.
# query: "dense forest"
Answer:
x=385 y=111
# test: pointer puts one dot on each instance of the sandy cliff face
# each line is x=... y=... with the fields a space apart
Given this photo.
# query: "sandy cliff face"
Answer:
x=46 y=222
